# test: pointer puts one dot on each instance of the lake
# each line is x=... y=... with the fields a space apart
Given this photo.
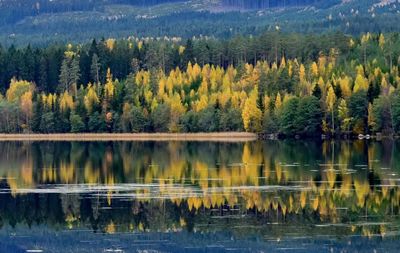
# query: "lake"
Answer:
x=175 y=196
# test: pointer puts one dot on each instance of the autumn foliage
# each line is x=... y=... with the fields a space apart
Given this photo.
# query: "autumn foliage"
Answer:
x=327 y=95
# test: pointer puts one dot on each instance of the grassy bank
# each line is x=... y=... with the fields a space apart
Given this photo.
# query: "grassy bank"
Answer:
x=220 y=137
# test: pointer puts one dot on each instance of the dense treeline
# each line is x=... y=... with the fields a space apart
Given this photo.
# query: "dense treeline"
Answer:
x=274 y=83
x=43 y=65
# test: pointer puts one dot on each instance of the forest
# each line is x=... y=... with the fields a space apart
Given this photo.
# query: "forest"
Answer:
x=43 y=22
x=285 y=84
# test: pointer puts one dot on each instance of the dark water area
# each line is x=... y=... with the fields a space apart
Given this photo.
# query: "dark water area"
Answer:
x=271 y=196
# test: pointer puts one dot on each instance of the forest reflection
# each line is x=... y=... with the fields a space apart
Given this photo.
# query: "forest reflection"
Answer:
x=274 y=188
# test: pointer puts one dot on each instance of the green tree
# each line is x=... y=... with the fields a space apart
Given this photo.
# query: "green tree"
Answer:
x=160 y=118
x=288 y=119
x=309 y=116
x=140 y=122
x=47 y=124
x=77 y=125
x=358 y=110
x=231 y=120
x=69 y=72
x=396 y=112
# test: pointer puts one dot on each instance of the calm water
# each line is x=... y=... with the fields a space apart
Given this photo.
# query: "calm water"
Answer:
x=277 y=196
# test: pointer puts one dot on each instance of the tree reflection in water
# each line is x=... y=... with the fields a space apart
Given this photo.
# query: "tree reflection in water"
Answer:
x=274 y=189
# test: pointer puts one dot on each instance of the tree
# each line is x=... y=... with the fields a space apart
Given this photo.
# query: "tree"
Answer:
x=95 y=69
x=358 y=108
x=126 y=118
x=396 y=113
x=160 y=118
x=97 y=122
x=330 y=102
x=17 y=90
x=361 y=84
x=188 y=54
x=380 y=116
x=66 y=102
x=344 y=116
x=317 y=92
x=176 y=110
x=208 y=120
x=37 y=115
x=309 y=116
x=91 y=99
x=288 y=119
x=77 y=125
x=69 y=72
x=189 y=122
x=231 y=120
x=109 y=88
x=27 y=108
x=364 y=41
x=47 y=124
x=139 y=122
x=251 y=114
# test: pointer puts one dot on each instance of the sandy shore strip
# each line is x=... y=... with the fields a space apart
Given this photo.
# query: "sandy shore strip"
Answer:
x=217 y=137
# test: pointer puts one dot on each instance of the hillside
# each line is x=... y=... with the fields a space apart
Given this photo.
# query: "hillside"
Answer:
x=41 y=22
x=268 y=4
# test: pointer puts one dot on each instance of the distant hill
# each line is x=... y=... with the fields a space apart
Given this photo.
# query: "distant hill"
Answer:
x=15 y=10
x=267 y=4
x=45 y=21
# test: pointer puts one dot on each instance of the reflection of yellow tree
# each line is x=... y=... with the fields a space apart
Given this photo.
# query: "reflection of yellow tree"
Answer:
x=248 y=178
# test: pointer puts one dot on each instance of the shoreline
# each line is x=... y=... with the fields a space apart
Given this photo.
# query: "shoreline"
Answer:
x=212 y=137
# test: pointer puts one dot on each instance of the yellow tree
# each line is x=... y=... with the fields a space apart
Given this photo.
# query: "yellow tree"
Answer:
x=109 y=91
x=278 y=102
x=330 y=103
x=66 y=102
x=371 y=118
x=26 y=107
x=381 y=40
x=110 y=44
x=345 y=86
x=17 y=89
x=361 y=83
x=344 y=115
x=283 y=63
x=314 y=69
x=202 y=103
x=20 y=92
x=109 y=88
x=177 y=110
x=91 y=99
x=181 y=50
x=302 y=73
x=351 y=43
x=266 y=102
x=251 y=114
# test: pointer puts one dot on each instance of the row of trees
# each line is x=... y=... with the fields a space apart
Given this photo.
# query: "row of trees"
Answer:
x=44 y=65
x=356 y=91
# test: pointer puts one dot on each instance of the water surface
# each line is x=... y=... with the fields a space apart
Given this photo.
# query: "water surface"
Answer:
x=274 y=196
